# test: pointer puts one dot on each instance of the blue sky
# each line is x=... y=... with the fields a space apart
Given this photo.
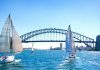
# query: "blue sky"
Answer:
x=29 y=15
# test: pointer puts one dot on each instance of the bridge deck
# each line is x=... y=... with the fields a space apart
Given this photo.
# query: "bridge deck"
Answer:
x=59 y=41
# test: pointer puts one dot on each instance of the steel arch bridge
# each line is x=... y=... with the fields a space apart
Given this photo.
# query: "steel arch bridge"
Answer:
x=54 y=36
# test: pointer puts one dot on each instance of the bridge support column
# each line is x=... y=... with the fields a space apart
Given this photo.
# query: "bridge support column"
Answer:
x=97 y=46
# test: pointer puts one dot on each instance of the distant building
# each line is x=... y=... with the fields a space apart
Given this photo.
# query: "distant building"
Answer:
x=57 y=48
x=61 y=45
x=97 y=46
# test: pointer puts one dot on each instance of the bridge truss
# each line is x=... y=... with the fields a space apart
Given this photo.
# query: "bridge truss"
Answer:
x=55 y=35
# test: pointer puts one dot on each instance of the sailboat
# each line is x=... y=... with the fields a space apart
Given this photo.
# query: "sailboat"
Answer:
x=70 y=47
x=10 y=43
x=33 y=47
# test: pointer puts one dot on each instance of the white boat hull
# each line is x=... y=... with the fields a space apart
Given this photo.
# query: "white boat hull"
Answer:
x=72 y=56
x=6 y=59
x=10 y=58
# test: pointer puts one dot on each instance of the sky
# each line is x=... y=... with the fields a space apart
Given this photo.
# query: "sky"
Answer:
x=30 y=15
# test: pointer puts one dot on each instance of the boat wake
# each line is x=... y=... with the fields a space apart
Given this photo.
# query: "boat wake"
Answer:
x=17 y=60
x=94 y=63
x=67 y=61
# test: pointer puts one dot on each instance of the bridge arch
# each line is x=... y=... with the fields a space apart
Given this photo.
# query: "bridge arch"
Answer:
x=80 y=38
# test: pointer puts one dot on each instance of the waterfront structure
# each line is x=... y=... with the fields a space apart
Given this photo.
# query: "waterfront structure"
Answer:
x=55 y=35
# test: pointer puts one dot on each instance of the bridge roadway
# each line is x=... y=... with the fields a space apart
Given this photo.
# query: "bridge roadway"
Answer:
x=58 y=41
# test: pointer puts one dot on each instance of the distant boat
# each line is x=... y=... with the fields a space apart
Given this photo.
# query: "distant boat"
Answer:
x=70 y=47
x=33 y=47
x=10 y=42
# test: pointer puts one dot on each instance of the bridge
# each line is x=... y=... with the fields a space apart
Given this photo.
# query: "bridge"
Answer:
x=55 y=35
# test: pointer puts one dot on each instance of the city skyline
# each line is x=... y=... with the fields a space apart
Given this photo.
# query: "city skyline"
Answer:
x=30 y=15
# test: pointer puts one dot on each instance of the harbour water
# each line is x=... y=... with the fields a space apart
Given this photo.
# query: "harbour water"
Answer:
x=54 y=60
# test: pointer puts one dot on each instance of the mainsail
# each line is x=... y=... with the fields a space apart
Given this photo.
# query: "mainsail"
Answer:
x=70 y=47
x=9 y=39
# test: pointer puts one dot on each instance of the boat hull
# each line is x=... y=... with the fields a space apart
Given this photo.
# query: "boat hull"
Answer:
x=6 y=59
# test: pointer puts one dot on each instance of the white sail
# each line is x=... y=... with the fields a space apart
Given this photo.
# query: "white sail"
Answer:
x=9 y=38
x=5 y=37
x=16 y=42
x=70 y=47
x=33 y=47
